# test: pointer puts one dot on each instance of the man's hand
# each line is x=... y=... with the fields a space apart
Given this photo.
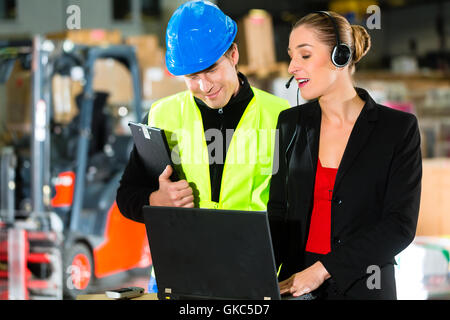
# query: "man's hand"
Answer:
x=305 y=281
x=172 y=194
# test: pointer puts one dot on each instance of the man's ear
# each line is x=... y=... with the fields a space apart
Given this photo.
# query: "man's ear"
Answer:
x=235 y=54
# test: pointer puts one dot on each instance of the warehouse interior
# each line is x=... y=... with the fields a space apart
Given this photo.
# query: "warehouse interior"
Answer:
x=116 y=48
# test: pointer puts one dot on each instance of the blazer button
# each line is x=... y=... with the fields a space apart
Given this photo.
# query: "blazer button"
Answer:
x=336 y=240
x=338 y=201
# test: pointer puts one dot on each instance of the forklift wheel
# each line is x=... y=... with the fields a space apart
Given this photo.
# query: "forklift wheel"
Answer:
x=78 y=271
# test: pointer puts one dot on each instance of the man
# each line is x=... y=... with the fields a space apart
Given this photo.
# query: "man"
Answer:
x=221 y=131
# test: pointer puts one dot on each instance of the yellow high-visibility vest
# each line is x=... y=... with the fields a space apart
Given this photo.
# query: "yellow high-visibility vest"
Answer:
x=249 y=160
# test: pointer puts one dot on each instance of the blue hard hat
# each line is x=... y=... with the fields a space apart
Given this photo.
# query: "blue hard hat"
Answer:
x=197 y=35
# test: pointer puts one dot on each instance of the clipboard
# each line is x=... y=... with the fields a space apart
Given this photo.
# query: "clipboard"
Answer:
x=152 y=147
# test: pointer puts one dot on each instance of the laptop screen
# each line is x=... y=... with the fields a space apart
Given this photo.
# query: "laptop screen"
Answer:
x=211 y=254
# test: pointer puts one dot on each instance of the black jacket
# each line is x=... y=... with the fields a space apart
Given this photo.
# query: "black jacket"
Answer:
x=375 y=201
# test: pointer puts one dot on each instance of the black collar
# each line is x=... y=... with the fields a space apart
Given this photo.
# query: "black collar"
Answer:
x=370 y=110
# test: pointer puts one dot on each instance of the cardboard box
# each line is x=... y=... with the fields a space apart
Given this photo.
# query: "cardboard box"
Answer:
x=109 y=76
x=89 y=37
x=18 y=99
x=64 y=93
x=434 y=217
x=113 y=77
x=158 y=83
x=148 y=51
x=255 y=40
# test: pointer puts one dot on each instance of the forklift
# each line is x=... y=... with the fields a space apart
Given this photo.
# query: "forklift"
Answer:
x=58 y=186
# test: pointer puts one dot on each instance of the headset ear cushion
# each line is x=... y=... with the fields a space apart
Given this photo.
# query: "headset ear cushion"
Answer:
x=341 y=55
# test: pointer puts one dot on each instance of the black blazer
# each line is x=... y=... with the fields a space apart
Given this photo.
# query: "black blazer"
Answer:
x=375 y=201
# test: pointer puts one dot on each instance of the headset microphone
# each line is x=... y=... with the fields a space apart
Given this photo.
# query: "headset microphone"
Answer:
x=288 y=84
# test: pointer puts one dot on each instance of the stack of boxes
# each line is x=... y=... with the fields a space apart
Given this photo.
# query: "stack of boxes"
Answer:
x=18 y=99
x=157 y=81
x=256 y=43
x=112 y=76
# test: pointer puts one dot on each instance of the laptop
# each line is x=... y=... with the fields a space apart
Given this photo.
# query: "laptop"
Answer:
x=212 y=254
x=152 y=147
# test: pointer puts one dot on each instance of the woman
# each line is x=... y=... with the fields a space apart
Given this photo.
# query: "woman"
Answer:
x=345 y=198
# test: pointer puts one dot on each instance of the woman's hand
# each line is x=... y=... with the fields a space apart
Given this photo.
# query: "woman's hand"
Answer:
x=305 y=281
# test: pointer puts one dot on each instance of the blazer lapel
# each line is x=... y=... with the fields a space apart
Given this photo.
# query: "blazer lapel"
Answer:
x=358 y=137
x=311 y=123
x=313 y=135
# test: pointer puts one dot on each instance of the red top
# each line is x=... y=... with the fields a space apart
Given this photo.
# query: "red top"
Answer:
x=320 y=227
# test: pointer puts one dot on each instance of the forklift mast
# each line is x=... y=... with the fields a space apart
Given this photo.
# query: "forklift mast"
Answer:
x=40 y=132
x=126 y=55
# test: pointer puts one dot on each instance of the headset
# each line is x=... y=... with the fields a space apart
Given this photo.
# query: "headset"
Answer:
x=341 y=53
